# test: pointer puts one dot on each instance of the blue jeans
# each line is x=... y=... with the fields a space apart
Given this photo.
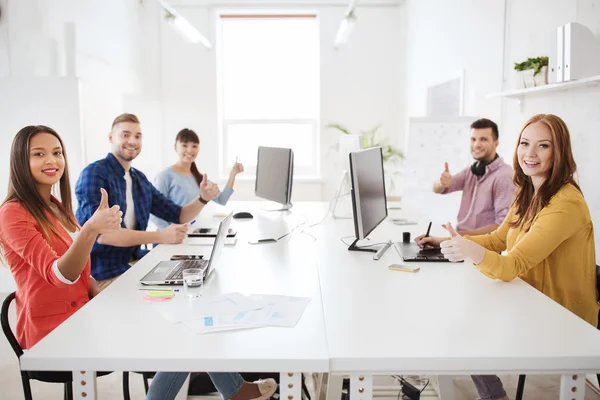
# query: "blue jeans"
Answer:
x=166 y=385
x=489 y=387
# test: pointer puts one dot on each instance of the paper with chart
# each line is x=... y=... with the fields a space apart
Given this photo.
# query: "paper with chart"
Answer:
x=181 y=308
x=275 y=310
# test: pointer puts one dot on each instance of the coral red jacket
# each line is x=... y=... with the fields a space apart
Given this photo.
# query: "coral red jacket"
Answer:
x=43 y=302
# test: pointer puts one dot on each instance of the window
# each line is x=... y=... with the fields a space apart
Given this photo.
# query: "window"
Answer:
x=268 y=82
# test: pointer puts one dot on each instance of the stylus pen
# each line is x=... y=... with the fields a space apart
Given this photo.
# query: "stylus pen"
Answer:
x=192 y=222
x=160 y=290
x=428 y=230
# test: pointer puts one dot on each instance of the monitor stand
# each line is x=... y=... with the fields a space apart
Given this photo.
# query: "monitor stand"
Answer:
x=345 y=179
x=354 y=247
x=284 y=207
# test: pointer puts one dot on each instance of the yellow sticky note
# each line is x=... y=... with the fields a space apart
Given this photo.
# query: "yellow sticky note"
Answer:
x=161 y=293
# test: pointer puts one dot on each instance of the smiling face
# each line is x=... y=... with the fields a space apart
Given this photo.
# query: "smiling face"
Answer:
x=535 y=151
x=46 y=160
x=483 y=144
x=186 y=151
x=126 y=140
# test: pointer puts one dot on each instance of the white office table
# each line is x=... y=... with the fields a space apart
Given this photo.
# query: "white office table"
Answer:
x=446 y=319
x=120 y=331
x=363 y=320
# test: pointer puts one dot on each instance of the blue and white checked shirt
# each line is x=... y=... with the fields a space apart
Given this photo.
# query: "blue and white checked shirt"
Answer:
x=110 y=261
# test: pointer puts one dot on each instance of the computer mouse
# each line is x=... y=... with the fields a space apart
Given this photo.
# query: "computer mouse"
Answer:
x=242 y=214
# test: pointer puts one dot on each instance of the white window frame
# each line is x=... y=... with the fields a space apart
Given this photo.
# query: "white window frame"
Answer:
x=314 y=173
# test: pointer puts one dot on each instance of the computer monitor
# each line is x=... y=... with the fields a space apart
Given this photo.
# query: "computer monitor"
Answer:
x=369 y=204
x=274 y=175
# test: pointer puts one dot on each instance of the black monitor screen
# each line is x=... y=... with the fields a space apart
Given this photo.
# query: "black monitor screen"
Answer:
x=368 y=190
x=274 y=173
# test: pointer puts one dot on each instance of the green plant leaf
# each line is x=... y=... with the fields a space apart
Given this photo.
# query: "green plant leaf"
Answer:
x=339 y=127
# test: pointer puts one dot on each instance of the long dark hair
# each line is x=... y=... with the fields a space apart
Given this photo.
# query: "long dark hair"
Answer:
x=186 y=136
x=22 y=187
x=561 y=171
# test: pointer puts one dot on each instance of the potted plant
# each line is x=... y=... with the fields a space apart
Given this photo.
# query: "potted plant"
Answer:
x=533 y=72
x=391 y=155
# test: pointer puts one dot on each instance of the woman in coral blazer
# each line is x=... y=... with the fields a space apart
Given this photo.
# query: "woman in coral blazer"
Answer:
x=47 y=252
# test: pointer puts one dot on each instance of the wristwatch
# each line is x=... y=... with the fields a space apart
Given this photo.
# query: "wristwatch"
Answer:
x=201 y=200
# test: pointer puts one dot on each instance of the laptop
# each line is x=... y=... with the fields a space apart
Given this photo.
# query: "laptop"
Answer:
x=410 y=252
x=171 y=272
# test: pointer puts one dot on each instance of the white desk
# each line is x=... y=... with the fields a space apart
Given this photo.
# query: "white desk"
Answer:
x=119 y=330
x=447 y=319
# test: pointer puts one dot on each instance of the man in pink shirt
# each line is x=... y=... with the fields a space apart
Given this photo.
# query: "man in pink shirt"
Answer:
x=486 y=185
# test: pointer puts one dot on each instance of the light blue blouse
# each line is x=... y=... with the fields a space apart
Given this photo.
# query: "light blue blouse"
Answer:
x=181 y=190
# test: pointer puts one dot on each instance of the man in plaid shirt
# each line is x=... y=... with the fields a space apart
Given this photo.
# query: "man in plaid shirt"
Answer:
x=137 y=197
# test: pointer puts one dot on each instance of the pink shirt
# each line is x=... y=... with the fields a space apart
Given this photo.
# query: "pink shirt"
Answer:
x=485 y=199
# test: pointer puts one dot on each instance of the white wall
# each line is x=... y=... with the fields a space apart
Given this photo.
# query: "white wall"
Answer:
x=447 y=37
x=4 y=63
x=361 y=84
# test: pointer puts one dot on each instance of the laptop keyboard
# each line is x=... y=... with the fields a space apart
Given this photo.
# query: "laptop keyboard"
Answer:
x=177 y=272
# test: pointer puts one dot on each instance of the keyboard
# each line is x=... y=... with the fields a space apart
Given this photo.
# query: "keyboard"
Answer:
x=177 y=272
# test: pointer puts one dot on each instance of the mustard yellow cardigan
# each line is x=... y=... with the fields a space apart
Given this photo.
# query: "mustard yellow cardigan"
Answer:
x=556 y=256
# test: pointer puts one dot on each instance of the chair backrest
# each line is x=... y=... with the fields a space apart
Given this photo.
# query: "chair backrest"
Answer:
x=598 y=284
x=6 y=325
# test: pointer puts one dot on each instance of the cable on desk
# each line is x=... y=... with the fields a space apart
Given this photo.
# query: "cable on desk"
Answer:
x=361 y=247
x=294 y=228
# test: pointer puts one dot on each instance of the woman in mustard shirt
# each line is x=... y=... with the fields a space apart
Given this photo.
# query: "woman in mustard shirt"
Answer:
x=548 y=234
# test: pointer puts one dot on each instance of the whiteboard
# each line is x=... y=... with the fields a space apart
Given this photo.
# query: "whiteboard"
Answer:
x=430 y=142
x=53 y=102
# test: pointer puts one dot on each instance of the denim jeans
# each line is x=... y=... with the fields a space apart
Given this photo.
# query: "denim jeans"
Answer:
x=166 y=385
x=489 y=387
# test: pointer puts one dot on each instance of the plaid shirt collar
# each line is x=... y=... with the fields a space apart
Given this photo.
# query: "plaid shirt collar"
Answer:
x=118 y=168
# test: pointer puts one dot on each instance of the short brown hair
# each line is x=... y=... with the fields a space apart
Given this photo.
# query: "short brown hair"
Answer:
x=486 y=123
x=125 y=118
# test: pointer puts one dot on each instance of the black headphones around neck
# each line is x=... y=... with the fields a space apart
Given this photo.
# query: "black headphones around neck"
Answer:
x=478 y=167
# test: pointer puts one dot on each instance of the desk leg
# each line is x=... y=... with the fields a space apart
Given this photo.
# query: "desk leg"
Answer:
x=361 y=387
x=290 y=385
x=334 y=386
x=444 y=386
x=84 y=385
x=572 y=387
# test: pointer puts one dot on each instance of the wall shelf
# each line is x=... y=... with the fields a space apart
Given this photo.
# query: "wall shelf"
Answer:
x=519 y=94
x=551 y=87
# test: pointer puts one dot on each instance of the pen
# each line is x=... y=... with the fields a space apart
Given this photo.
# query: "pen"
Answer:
x=159 y=290
x=192 y=222
x=428 y=230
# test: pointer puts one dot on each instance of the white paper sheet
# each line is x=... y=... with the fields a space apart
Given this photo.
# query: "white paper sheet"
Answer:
x=283 y=310
x=181 y=308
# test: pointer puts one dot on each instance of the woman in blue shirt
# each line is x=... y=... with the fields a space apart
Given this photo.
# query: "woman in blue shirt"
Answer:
x=181 y=181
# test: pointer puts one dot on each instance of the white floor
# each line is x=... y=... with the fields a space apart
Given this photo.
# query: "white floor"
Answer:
x=110 y=386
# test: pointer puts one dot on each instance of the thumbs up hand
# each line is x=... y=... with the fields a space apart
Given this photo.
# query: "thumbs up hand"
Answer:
x=446 y=177
x=105 y=219
x=208 y=190
x=458 y=248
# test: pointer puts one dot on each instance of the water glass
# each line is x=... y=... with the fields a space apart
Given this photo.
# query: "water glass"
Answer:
x=193 y=279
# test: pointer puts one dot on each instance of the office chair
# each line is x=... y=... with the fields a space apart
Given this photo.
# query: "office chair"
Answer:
x=521 y=384
x=145 y=375
x=64 y=377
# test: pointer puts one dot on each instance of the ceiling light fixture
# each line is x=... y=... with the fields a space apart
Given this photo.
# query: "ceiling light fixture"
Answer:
x=183 y=26
x=343 y=32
